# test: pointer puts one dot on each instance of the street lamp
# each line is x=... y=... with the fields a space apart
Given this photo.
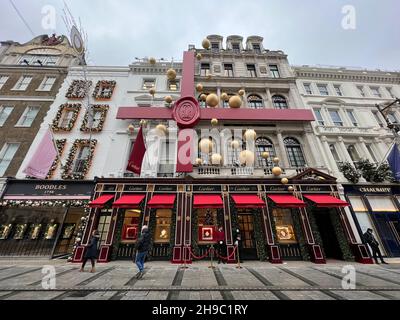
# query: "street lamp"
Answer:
x=384 y=111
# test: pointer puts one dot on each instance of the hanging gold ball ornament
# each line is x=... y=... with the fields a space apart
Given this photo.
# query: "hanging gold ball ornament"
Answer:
x=199 y=56
x=285 y=181
x=216 y=159
x=250 y=135
x=246 y=157
x=242 y=93
x=131 y=128
x=203 y=97
x=152 y=61
x=235 y=144
x=143 y=122
x=224 y=97
x=162 y=128
x=171 y=74
x=277 y=171
x=168 y=99
x=205 y=145
x=235 y=102
x=214 y=122
x=199 y=161
x=291 y=189
x=276 y=160
x=152 y=91
x=212 y=100
x=265 y=155
x=206 y=44
x=199 y=87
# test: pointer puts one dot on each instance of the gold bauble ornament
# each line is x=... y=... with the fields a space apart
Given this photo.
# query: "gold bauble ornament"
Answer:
x=203 y=97
x=131 y=128
x=250 y=135
x=199 y=161
x=224 y=97
x=235 y=144
x=162 y=128
x=235 y=102
x=276 y=160
x=199 y=87
x=143 y=122
x=206 y=44
x=205 y=145
x=216 y=159
x=168 y=99
x=242 y=93
x=214 y=122
x=152 y=61
x=265 y=155
x=246 y=157
x=171 y=74
x=290 y=189
x=277 y=171
x=199 y=56
x=285 y=181
x=212 y=100
x=152 y=91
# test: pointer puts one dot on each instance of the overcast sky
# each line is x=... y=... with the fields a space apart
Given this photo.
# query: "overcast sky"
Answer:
x=309 y=31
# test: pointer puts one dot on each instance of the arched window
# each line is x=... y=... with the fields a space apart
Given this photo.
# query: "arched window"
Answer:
x=295 y=154
x=225 y=104
x=265 y=145
x=255 y=102
x=233 y=154
x=353 y=153
x=279 y=102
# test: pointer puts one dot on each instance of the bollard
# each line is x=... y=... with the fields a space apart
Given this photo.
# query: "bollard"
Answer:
x=212 y=255
x=238 y=256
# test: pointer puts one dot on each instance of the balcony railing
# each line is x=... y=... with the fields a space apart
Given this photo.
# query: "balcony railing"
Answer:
x=244 y=171
x=346 y=130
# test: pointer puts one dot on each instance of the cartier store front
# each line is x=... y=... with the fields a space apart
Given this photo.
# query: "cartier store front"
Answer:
x=42 y=218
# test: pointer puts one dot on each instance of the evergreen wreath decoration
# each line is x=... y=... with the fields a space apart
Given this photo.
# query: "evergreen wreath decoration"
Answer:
x=372 y=173
x=350 y=172
x=104 y=89
x=75 y=107
x=103 y=108
x=78 y=89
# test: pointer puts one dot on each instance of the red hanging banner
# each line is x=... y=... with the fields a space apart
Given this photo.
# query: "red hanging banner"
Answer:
x=138 y=152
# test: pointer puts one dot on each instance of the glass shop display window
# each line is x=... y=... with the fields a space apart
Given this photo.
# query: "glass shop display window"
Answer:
x=382 y=204
x=104 y=225
x=163 y=226
x=207 y=224
x=130 y=230
x=284 y=226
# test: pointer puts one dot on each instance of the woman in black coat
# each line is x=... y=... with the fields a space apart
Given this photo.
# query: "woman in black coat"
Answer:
x=91 y=251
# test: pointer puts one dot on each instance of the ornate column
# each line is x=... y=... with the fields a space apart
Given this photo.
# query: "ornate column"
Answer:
x=344 y=150
x=268 y=103
x=361 y=143
x=313 y=148
x=327 y=151
x=282 y=149
x=382 y=147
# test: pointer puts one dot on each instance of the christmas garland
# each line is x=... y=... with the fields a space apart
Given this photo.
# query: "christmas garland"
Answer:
x=372 y=173
x=76 y=107
x=44 y=203
x=60 y=146
x=79 y=233
x=98 y=107
x=349 y=172
x=99 y=90
x=342 y=239
x=67 y=169
x=304 y=250
x=78 y=89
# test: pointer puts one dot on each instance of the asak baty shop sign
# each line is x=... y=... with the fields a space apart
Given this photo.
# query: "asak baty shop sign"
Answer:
x=45 y=190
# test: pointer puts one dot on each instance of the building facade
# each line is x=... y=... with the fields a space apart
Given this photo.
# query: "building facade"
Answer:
x=352 y=134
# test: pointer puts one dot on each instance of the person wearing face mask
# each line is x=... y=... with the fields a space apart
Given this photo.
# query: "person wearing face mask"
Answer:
x=374 y=245
x=91 y=252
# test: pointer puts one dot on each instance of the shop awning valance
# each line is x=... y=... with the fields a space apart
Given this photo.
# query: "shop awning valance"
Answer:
x=162 y=201
x=286 y=201
x=326 y=201
x=101 y=201
x=248 y=201
x=129 y=201
x=208 y=201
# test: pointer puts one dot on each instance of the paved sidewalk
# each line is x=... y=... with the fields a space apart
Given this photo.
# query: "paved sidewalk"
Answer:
x=21 y=279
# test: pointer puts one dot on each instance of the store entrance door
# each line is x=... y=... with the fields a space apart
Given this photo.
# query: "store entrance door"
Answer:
x=248 y=249
x=389 y=230
x=328 y=235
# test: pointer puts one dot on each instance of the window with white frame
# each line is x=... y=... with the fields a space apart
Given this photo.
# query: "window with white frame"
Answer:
x=273 y=68
x=205 y=69
x=23 y=83
x=254 y=101
x=236 y=47
x=263 y=145
x=279 y=102
x=256 y=48
x=351 y=149
x=228 y=69
x=33 y=60
x=251 y=70
x=353 y=120
x=378 y=119
x=361 y=91
x=47 y=83
x=3 y=80
x=319 y=117
x=335 y=155
x=66 y=118
x=5 y=112
x=371 y=152
x=173 y=85
x=81 y=159
x=6 y=155
x=323 y=89
x=336 y=119
x=148 y=84
x=392 y=117
x=294 y=152
x=215 y=46
x=338 y=90
x=28 y=116
x=375 y=92
x=307 y=88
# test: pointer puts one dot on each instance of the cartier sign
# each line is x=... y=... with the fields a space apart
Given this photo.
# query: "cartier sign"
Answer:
x=207 y=188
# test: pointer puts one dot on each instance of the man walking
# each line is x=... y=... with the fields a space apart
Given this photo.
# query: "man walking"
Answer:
x=142 y=248
x=374 y=244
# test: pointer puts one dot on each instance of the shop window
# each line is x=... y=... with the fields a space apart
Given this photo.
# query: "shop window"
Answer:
x=130 y=229
x=104 y=226
x=284 y=226
x=163 y=226
x=382 y=204
x=207 y=222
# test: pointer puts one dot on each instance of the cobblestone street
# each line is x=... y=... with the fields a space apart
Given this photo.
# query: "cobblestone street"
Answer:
x=22 y=280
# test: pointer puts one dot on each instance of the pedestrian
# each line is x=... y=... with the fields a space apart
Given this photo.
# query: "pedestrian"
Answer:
x=142 y=248
x=374 y=245
x=238 y=244
x=91 y=251
x=221 y=247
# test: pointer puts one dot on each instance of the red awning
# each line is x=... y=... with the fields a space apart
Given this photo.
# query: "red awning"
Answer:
x=208 y=201
x=287 y=201
x=101 y=201
x=248 y=201
x=326 y=201
x=129 y=201
x=163 y=201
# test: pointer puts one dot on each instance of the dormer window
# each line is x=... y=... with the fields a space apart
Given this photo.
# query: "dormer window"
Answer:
x=256 y=48
x=236 y=47
x=215 y=46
